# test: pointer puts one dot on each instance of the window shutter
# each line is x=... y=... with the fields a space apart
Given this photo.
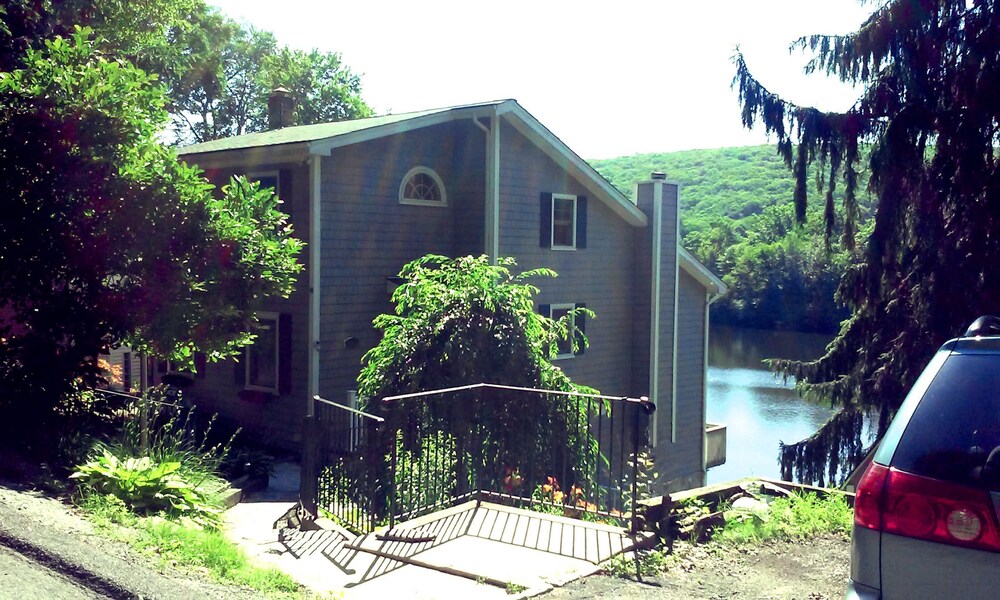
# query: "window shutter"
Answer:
x=545 y=310
x=545 y=219
x=581 y=221
x=161 y=366
x=239 y=370
x=285 y=190
x=284 y=353
x=581 y=325
x=200 y=364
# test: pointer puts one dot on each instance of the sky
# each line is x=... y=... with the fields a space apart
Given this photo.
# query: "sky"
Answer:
x=608 y=78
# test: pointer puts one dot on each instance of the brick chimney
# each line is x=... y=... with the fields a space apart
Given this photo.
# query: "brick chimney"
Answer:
x=279 y=108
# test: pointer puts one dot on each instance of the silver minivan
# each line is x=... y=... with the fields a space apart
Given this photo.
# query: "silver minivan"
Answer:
x=927 y=509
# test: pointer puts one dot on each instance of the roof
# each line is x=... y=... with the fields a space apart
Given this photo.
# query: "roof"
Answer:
x=317 y=132
x=321 y=138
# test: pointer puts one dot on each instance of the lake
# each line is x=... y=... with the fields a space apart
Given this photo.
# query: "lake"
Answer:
x=757 y=407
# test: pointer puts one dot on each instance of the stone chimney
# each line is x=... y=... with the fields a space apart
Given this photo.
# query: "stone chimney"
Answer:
x=279 y=108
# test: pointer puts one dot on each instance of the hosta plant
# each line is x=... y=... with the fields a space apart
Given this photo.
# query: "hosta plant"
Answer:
x=148 y=487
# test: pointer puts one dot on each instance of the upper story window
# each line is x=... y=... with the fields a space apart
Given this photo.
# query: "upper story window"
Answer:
x=563 y=221
x=423 y=187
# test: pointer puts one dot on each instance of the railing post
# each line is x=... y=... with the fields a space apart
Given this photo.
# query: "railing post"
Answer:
x=309 y=476
x=635 y=470
x=392 y=435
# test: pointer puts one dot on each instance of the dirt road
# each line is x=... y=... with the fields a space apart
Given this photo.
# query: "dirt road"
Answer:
x=814 y=569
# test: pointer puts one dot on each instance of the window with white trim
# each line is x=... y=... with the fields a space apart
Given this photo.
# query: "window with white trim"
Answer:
x=577 y=322
x=170 y=367
x=266 y=179
x=563 y=221
x=262 y=356
x=423 y=187
x=564 y=346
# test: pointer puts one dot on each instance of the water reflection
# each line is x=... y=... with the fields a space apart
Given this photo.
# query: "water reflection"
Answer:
x=759 y=408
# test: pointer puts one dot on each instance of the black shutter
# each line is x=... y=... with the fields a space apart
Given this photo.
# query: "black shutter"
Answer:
x=545 y=220
x=581 y=221
x=284 y=190
x=284 y=353
x=200 y=364
x=239 y=370
x=581 y=325
x=545 y=310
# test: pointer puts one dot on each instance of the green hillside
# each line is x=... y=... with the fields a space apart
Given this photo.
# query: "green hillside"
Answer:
x=722 y=182
x=737 y=218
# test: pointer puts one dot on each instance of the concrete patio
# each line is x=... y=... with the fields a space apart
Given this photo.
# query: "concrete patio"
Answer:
x=474 y=549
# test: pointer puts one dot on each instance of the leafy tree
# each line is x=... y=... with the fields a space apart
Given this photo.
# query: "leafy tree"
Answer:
x=931 y=72
x=216 y=90
x=218 y=73
x=133 y=30
x=107 y=238
x=463 y=321
x=324 y=89
x=220 y=83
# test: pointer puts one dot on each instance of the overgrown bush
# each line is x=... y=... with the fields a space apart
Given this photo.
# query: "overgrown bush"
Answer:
x=425 y=476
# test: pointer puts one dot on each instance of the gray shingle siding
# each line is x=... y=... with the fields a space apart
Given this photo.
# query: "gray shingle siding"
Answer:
x=690 y=380
x=599 y=275
x=276 y=421
x=367 y=235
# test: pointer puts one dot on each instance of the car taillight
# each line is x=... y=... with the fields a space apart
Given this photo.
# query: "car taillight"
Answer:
x=904 y=504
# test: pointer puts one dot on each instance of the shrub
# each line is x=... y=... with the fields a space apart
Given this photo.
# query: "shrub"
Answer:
x=146 y=486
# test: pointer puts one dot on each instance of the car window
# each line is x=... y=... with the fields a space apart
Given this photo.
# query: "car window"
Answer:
x=956 y=425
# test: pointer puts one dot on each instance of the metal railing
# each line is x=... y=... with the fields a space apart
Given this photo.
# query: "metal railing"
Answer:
x=350 y=479
x=561 y=452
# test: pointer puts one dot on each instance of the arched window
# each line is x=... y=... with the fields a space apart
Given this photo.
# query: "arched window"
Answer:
x=422 y=186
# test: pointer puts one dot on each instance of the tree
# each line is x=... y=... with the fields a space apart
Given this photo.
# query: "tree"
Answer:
x=463 y=321
x=132 y=30
x=107 y=238
x=931 y=72
x=220 y=83
x=218 y=73
x=214 y=86
x=323 y=87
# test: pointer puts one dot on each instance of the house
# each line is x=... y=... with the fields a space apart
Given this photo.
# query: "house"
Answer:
x=369 y=195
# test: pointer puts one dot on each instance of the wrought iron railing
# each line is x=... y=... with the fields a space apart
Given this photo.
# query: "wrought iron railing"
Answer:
x=568 y=453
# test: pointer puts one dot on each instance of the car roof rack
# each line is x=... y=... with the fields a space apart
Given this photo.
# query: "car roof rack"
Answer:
x=986 y=325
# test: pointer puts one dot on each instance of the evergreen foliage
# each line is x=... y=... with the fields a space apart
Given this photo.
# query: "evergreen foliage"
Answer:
x=931 y=73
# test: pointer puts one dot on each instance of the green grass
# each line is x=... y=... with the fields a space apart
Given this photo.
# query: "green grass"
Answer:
x=651 y=563
x=187 y=547
x=795 y=517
